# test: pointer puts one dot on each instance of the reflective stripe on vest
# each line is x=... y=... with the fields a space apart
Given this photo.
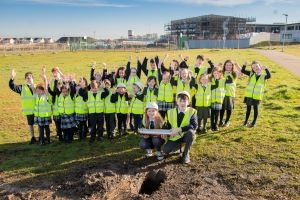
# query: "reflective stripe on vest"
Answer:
x=81 y=106
x=218 y=94
x=122 y=105
x=27 y=100
x=150 y=97
x=203 y=97
x=130 y=82
x=95 y=104
x=183 y=86
x=202 y=70
x=165 y=92
x=255 y=89
x=119 y=80
x=136 y=106
x=230 y=87
x=55 y=111
x=152 y=73
x=42 y=107
x=108 y=106
x=66 y=105
x=172 y=119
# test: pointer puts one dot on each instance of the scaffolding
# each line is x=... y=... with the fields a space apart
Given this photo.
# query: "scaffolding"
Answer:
x=208 y=27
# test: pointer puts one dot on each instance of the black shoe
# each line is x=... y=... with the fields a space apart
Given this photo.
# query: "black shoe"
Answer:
x=198 y=130
x=217 y=128
x=32 y=141
x=92 y=139
x=221 y=124
x=204 y=130
x=246 y=124
x=252 y=125
x=100 y=139
x=120 y=132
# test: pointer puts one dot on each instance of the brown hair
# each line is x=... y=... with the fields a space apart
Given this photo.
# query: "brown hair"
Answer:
x=54 y=69
x=40 y=86
x=219 y=69
x=202 y=75
x=94 y=84
x=200 y=57
x=182 y=97
x=233 y=70
x=28 y=73
x=158 y=120
x=65 y=86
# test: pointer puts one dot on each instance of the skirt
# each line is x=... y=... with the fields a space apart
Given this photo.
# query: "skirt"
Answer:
x=251 y=102
x=42 y=121
x=216 y=106
x=228 y=103
x=81 y=117
x=67 y=121
x=203 y=112
x=164 y=106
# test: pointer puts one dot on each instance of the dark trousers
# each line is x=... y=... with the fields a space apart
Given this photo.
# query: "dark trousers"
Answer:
x=137 y=121
x=188 y=138
x=122 y=121
x=97 y=121
x=152 y=143
x=110 y=121
x=58 y=128
x=68 y=134
x=228 y=115
x=255 y=108
x=214 y=118
x=42 y=131
x=82 y=129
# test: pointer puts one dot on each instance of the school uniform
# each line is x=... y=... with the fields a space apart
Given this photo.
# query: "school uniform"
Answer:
x=109 y=114
x=228 y=102
x=217 y=97
x=198 y=71
x=130 y=80
x=254 y=92
x=136 y=108
x=53 y=91
x=150 y=95
x=185 y=85
x=95 y=105
x=42 y=117
x=27 y=103
x=188 y=123
x=152 y=142
x=81 y=113
x=149 y=72
x=122 y=104
x=203 y=102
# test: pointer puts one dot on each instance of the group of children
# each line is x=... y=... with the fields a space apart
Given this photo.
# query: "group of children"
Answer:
x=83 y=107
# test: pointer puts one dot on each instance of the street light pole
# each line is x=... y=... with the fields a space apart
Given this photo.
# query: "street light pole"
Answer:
x=284 y=34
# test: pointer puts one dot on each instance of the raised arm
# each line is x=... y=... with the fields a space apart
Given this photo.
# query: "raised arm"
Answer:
x=12 y=85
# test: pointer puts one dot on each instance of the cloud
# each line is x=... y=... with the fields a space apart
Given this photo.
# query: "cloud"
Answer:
x=80 y=3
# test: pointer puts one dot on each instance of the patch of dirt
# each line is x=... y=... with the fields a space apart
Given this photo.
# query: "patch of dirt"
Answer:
x=142 y=179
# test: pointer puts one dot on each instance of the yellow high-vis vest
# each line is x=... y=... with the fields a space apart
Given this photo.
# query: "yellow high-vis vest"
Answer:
x=27 y=100
x=255 y=89
x=136 y=106
x=172 y=119
x=81 y=106
x=95 y=104
x=122 y=105
x=165 y=92
x=108 y=106
x=218 y=94
x=42 y=107
x=203 y=97
x=66 y=105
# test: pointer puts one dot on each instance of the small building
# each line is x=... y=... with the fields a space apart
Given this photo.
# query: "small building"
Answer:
x=49 y=40
x=39 y=40
x=8 y=41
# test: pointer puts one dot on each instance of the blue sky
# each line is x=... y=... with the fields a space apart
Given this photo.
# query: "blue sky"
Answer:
x=113 y=18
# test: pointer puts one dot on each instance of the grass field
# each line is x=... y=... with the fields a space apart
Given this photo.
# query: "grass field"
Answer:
x=265 y=158
x=289 y=49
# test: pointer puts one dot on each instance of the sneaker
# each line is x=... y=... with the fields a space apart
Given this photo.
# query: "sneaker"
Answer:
x=32 y=141
x=204 y=130
x=100 y=139
x=221 y=124
x=159 y=155
x=148 y=153
x=198 y=130
x=246 y=124
x=226 y=124
x=252 y=125
x=186 y=159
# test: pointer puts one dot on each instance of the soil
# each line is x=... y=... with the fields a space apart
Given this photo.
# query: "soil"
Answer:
x=141 y=179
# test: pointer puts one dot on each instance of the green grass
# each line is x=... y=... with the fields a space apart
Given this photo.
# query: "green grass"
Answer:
x=260 y=155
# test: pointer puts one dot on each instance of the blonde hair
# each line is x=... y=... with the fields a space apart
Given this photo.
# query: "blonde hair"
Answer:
x=158 y=120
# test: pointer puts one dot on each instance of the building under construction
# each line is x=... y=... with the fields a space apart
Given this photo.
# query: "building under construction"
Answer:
x=208 y=27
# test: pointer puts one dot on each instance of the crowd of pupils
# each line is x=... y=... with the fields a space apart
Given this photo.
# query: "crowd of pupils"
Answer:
x=123 y=102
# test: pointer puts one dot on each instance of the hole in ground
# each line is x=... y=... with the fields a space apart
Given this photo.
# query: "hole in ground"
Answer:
x=152 y=182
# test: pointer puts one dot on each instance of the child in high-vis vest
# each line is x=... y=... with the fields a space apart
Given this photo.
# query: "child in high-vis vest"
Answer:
x=151 y=91
x=137 y=105
x=81 y=108
x=255 y=89
x=217 y=96
x=120 y=76
x=200 y=69
x=165 y=97
x=153 y=67
x=203 y=101
x=231 y=72
x=42 y=111
x=95 y=102
x=152 y=120
x=120 y=98
x=109 y=111
x=27 y=99
x=183 y=123
x=66 y=108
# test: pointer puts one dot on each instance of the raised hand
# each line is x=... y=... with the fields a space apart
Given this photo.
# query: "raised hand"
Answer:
x=13 y=74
